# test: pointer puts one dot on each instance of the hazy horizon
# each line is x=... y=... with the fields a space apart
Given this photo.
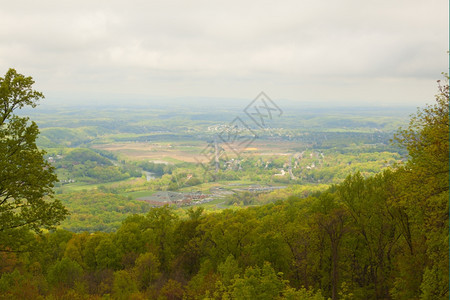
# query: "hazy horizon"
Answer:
x=220 y=110
x=328 y=53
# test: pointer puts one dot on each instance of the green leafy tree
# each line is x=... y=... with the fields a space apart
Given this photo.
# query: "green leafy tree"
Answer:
x=107 y=254
x=123 y=285
x=228 y=269
x=424 y=181
x=258 y=283
x=163 y=221
x=332 y=222
x=146 y=270
x=26 y=178
x=375 y=235
x=65 y=272
x=172 y=290
x=15 y=285
x=75 y=248
x=231 y=232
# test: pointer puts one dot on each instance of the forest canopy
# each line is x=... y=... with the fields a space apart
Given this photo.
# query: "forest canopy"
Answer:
x=369 y=237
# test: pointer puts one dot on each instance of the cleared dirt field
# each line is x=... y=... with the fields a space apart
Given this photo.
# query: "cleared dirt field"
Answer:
x=170 y=152
x=153 y=151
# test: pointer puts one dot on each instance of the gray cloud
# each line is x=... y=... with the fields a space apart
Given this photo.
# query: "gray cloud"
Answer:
x=353 y=51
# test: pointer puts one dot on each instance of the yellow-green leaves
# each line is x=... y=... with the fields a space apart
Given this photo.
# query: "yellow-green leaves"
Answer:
x=26 y=179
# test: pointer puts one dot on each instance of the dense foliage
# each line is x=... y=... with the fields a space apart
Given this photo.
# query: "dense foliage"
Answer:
x=89 y=166
x=26 y=178
x=369 y=237
x=98 y=211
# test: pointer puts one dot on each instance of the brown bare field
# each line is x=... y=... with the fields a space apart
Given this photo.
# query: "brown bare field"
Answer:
x=159 y=152
x=168 y=152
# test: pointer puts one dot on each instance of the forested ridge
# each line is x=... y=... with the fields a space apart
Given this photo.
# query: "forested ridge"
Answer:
x=379 y=237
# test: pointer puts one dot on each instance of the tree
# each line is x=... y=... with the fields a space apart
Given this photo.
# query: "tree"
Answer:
x=374 y=235
x=123 y=285
x=64 y=272
x=425 y=187
x=258 y=283
x=146 y=270
x=331 y=219
x=106 y=254
x=172 y=290
x=162 y=222
x=26 y=178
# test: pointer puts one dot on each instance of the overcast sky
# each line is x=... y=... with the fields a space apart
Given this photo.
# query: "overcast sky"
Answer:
x=348 y=51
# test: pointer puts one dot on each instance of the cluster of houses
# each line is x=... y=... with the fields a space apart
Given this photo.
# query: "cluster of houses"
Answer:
x=218 y=128
x=259 y=188
x=65 y=181
x=52 y=159
x=162 y=198
x=297 y=158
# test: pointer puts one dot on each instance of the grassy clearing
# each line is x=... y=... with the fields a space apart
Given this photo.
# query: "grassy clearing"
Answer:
x=138 y=194
x=79 y=186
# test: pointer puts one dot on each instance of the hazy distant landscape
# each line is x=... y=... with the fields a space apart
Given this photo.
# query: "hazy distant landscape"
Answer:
x=136 y=152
